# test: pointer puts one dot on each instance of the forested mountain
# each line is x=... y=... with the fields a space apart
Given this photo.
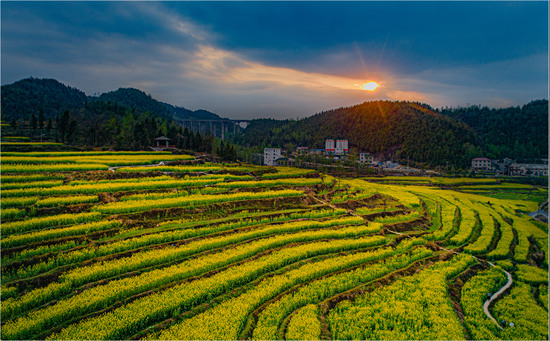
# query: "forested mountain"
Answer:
x=22 y=99
x=140 y=101
x=30 y=96
x=136 y=100
x=510 y=132
x=107 y=124
x=47 y=110
x=398 y=130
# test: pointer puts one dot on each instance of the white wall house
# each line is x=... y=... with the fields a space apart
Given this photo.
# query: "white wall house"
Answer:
x=481 y=164
x=271 y=155
x=365 y=158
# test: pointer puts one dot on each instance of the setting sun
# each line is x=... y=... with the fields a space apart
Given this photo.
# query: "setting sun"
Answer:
x=370 y=86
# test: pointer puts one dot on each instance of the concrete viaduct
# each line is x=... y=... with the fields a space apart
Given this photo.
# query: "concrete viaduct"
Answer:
x=216 y=127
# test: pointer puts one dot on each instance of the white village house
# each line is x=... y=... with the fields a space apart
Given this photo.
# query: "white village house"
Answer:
x=271 y=155
x=365 y=158
x=481 y=164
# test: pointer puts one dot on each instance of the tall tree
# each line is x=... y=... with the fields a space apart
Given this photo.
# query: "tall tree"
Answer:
x=41 y=118
x=140 y=135
x=64 y=125
x=57 y=128
x=126 y=138
x=33 y=122
x=71 y=131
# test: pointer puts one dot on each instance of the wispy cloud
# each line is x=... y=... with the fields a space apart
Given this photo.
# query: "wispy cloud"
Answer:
x=174 y=22
x=184 y=61
x=224 y=66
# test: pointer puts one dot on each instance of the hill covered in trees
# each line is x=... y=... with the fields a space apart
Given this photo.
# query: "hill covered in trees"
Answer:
x=33 y=96
x=138 y=100
x=49 y=97
x=126 y=119
x=404 y=130
x=398 y=130
x=516 y=132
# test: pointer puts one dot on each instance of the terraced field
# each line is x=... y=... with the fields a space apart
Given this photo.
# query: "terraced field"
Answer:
x=98 y=246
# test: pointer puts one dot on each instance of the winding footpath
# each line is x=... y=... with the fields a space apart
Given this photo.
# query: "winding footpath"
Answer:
x=496 y=295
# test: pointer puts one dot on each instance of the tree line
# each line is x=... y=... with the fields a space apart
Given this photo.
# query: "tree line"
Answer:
x=109 y=125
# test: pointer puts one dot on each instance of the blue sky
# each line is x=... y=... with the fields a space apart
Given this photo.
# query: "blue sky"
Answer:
x=284 y=59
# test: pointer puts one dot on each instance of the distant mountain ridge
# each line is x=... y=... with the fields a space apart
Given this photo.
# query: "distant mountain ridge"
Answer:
x=134 y=98
x=391 y=130
x=29 y=96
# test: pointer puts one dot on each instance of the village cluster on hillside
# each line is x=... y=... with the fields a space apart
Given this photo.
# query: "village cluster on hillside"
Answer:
x=510 y=167
x=336 y=150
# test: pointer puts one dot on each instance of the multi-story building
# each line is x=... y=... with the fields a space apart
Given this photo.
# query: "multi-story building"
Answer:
x=329 y=147
x=338 y=147
x=481 y=164
x=341 y=147
x=365 y=158
x=271 y=155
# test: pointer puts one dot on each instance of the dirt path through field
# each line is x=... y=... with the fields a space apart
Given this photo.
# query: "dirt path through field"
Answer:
x=496 y=295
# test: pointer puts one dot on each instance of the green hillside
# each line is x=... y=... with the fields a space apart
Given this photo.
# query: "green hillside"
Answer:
x=509 y=132
x=391 y=129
